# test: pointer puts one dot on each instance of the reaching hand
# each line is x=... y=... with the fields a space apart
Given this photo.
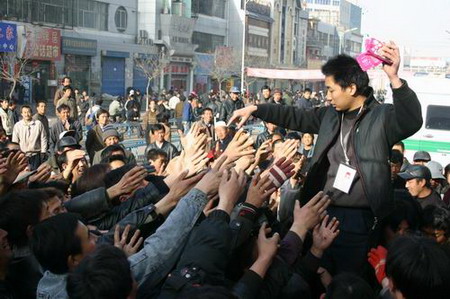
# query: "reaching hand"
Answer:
x=120 y=242
x=16 y=163
x=263 y=151
x=43 y=173
x=209 y=184
x=231 y=187
x=377 y=258
x=323 y=235
x=240 y=145
x=131 y=181
x=280 y=172
x=182 y=185
x=267 y=247
x=308 y=216
x=196 y=163
x=390 y=50
x=259 y=190
x=242 y=115
x=287 y=150
x=243 y=163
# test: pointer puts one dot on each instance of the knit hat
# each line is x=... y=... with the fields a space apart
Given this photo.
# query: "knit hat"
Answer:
x=109 y=131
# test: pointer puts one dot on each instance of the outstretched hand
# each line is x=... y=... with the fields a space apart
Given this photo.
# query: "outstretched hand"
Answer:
x=242 y=115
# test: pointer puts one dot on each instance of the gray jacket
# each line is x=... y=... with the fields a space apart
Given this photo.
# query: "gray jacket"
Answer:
x=158 y=248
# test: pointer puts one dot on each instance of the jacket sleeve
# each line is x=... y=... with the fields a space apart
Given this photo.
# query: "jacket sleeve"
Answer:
x=53 y=138
x=291 y=117
x=78 y=130
x=222 y=113
x=287 y=200
x=172 y=235
x=404 y=116
x=89 y=204
x=44 y=142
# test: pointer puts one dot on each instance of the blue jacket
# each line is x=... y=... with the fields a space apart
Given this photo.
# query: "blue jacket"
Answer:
x=188 y=114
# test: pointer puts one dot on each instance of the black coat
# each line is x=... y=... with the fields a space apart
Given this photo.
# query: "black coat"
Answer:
x=228 y=107
x=377 y=128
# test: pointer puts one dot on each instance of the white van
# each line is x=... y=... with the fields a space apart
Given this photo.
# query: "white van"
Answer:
x=434 y=136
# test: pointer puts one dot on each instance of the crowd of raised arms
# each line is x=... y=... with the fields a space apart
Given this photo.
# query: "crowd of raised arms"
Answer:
x=321 y=204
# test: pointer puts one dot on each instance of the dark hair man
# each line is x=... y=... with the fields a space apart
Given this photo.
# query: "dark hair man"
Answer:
x=400 y=146
x=265 y=90
x=66 y=81
x=417 y=179
x=158 y=131
x=94 y=139
x=231 y=104
x=6 y=117
x=41 y=109
x=356 y=135
x=305 y=101
x=64 y=123
x=158 y=159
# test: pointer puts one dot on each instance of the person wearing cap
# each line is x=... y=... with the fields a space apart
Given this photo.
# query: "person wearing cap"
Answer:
x=421 y=158
x=111 y=137
x=305 y=101
x=66 y=142
x=94 y=138
x=437 y=178
x=223 y=136
x=64 y=123
x=350 y=161
x=418 y=183
x=277 y=97
x=32 y=138
x=158 y=131
x=230 y=105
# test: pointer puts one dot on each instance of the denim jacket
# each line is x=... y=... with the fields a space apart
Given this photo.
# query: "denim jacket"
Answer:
x=158 y=248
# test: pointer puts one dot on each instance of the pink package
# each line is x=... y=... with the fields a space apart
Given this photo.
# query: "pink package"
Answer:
x=370 y=59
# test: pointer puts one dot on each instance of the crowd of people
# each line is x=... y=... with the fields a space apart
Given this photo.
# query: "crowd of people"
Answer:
x=322 y=204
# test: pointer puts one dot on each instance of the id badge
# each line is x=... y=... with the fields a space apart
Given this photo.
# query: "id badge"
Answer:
x=344 y=178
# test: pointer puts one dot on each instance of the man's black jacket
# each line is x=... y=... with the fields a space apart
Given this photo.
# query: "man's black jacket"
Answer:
x=228 y=107
x=378 y=127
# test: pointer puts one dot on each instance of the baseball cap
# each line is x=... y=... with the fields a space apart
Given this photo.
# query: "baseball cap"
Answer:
x=436 y=170
x=422 y=156
x=67 y=141
x=234 y=89
x=416 y=172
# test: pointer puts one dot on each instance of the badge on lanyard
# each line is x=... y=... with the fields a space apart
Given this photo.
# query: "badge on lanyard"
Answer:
x=344 y=178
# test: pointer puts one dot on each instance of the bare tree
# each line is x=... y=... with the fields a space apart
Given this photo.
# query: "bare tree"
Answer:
x=151 y=66
x=253 y=61
x=224 y=66
x=15 y=68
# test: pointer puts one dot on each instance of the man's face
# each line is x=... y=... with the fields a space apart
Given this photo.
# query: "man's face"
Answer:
x=271 y=127
x=66 y=82
x=103 y=119
x=5 y=249
x=395 y=169
x=5 y=104
x=207 y=117
x=159 y=135
x=307 y=95
x=87 y=243
x=398 y=148
x=277 y=97
x=41 y=108
x=221 y=132
x=111 y=140
x=159 y=164
x=26 y=114
x=307 y=140
x=234 y=96
x=415 y=186
x=80 y=168
x=55 y=206
x=152 y=105
x=266 y=93
x=64 y=114
x=340 y=98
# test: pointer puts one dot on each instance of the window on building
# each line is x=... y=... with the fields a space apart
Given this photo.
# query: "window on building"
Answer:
x=323 y=2
x=213 y=8
x=93 y=14
x=336 y=2
x=121 y=19
x=207 y=43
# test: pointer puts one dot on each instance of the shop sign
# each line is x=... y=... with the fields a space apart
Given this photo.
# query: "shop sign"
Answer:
x=43 y=43
x=8 y=37
x=79 y=46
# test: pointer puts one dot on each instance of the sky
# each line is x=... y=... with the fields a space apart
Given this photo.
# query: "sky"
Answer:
x=419 y=26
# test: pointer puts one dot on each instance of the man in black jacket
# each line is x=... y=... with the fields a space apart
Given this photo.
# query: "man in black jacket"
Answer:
x=350 y=161
x=231 y=105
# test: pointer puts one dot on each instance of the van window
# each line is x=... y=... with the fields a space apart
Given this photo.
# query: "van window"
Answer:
x=438 y=117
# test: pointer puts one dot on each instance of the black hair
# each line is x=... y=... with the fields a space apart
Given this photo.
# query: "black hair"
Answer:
x=54 y=240
x=40 y=101
x=346 y=71
x=100 y=112
x=99 y=101
x=92 y=178
x=396 y=157
x=404 y=209
x=446 y=170
x=207 y=109
x=27 y=107
x=308 y=90
x=402 y=145
x=293 y=135
x=265 y=87
x=154 y=153
x=61 y=185
x=157 y=127
x=61 y=159
x=114 y=176
x=103 y=274
x=18 y=211
x=107 y=152
x=113 y=158
x=418 y=268
x=66 y=77
x=63 y=107
x=349 y=286
x=436 y=218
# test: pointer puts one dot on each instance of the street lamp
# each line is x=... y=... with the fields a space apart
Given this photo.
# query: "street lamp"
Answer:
x=342 y=35
x=243 y=44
